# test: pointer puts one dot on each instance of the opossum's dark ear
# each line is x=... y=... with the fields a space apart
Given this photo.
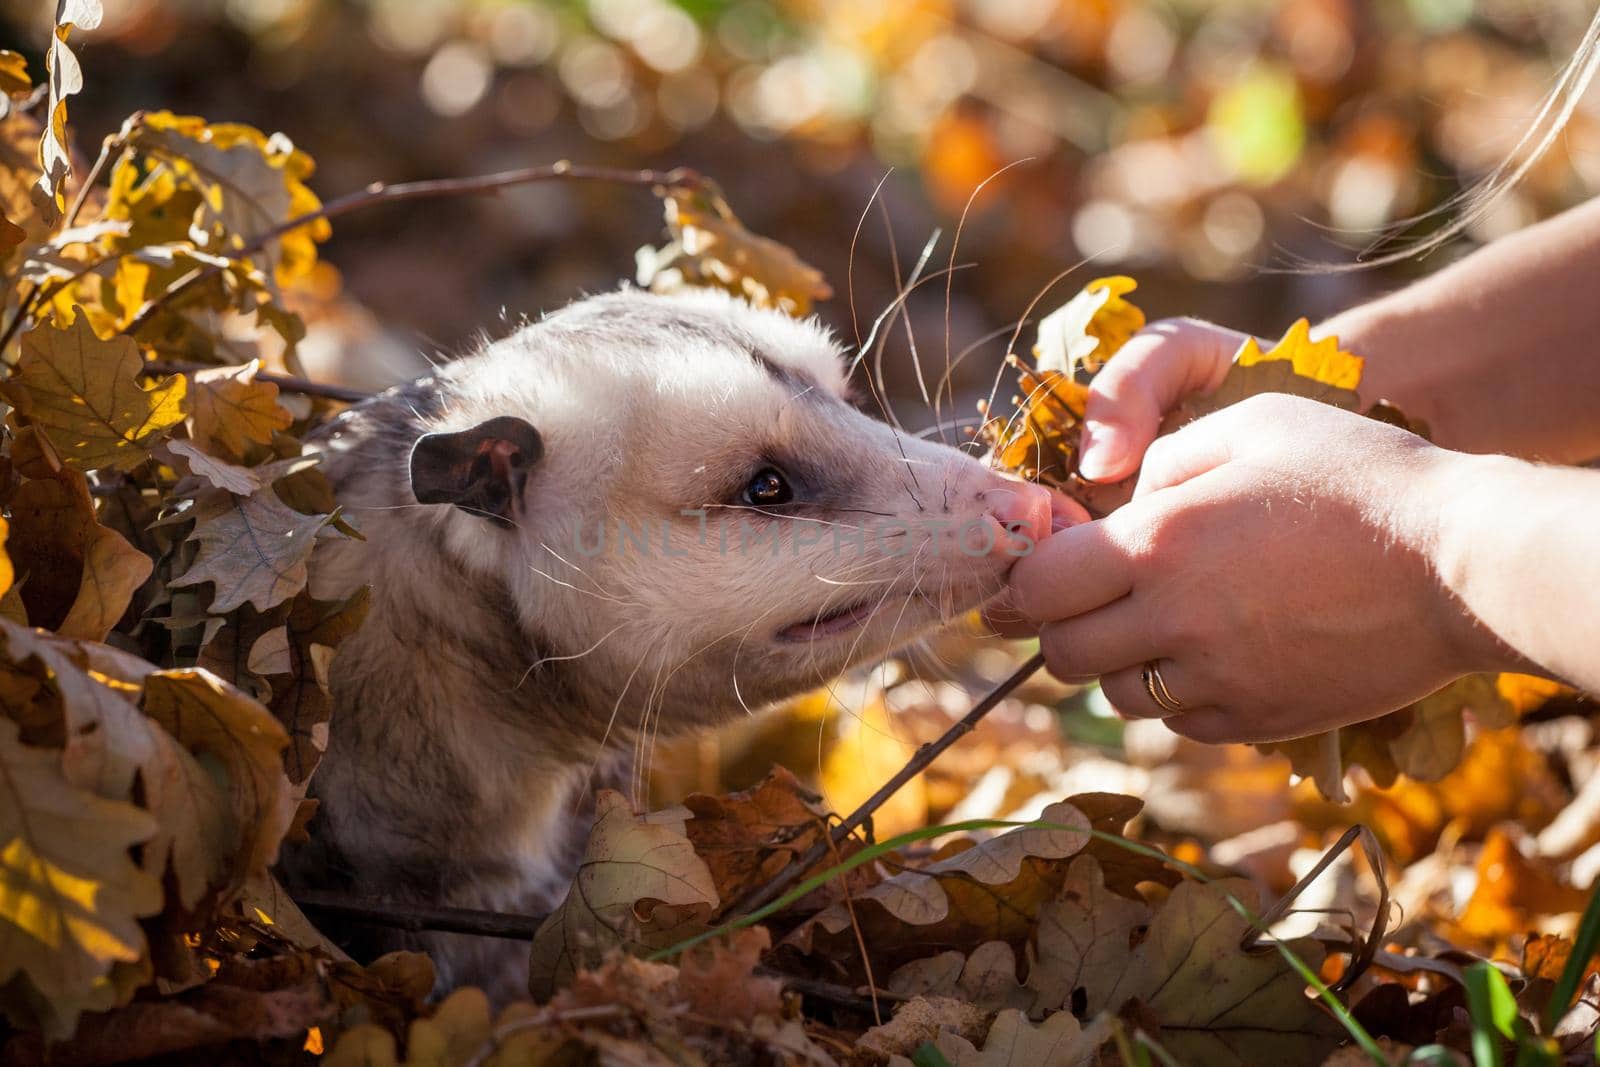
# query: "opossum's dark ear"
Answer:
x=481 y=470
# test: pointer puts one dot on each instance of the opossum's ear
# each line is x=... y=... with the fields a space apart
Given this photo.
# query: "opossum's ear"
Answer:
x=481 y=470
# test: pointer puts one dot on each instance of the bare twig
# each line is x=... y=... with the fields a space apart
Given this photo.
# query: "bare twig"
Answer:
x=380 y=193
x=919 y=762
x=417 y=917
x=517 y=927
x=282 y=381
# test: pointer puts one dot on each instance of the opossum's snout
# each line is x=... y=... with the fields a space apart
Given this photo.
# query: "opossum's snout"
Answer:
x=1022 y=511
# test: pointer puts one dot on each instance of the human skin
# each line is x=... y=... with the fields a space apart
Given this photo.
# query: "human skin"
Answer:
x=1292 y=567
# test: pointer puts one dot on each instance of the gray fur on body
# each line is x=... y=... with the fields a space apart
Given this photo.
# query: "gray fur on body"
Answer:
x=499 y=676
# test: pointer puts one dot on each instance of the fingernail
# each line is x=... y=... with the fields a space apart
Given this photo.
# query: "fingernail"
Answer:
x=1103 y=452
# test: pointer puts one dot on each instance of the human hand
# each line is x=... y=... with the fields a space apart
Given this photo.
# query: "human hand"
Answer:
x=1278 y=562
x=1155 y=370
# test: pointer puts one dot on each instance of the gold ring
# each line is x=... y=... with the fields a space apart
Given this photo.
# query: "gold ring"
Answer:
x=1156 y=686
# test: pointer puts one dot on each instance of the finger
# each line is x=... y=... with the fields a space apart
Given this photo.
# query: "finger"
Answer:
x=1201 y=446
x=1065 y=512
x=1212 y=726
x=1001 y=616
x=1130 y=697
x=1104 y=641
x=1150 y=374
x=1069 y=573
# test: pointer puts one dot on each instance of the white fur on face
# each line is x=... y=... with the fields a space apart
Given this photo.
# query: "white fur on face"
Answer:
x=633 y=548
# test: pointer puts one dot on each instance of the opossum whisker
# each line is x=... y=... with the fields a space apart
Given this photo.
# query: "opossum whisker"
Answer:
x=1027 y=313
x=579 y=570
x=955 y=245
x=850 y=260
x=536 y=664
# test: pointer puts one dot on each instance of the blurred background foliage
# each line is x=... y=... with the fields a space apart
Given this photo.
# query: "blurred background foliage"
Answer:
x=1189 y=143
x=1195 y=145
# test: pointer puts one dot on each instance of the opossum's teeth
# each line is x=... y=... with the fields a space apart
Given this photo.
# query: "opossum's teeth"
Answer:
x=830 y=625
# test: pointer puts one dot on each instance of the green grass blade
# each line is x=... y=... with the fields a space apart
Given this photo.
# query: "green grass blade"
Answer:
x=1583 y=949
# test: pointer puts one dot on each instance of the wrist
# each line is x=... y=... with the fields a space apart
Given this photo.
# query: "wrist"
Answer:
x=1463 y=494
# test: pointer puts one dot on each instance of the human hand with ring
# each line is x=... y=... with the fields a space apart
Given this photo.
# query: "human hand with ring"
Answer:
x=1277 y=573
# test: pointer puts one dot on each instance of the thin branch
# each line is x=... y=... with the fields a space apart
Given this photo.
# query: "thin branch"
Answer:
x=419 y=917
x=289 y=382
x=380 y=192
x=517 y=927
x=916 y=765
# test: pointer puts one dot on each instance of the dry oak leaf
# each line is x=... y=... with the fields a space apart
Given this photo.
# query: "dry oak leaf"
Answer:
x=922 y=1019
x=711 y=247
x=1014 y=1041
x=231 y=408
x=1296 y=365
x=52 y=525
x=1213 y=1002
x=1085 y=932
x=989 y=891
x=640 y=886
x=1424 y=740
x=986 y=979
x=1088 y=329
x=252 y=549
x=113 y=570
x=745 y=838
x=283 y=656
x=64 y=77
x=84 y=393
x=73 y=895
x=252 y=182
x=230 y=730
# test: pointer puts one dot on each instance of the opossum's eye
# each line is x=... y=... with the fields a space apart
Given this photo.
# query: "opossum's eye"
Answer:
x=768 y=489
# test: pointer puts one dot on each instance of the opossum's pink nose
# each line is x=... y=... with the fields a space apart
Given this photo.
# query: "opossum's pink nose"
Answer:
x=1022 y=508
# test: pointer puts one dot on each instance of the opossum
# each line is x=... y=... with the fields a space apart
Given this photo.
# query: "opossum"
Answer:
x=637 y=516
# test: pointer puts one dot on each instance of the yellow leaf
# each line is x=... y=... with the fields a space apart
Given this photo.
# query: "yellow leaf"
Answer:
x=1321 y=361
x=1296 y=365
x=14 y=73
x=251 y=549
x=250 y=183
x=1525 y=692
x=7 y=572
x=232 y=409
x=1088 y=329
x=72 y=895
x=84 y=393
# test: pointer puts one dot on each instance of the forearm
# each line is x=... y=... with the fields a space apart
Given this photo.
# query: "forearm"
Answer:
x=1519 y=545
x=1499 y=352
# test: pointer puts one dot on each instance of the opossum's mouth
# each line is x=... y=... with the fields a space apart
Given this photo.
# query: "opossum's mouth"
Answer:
x=831 y=624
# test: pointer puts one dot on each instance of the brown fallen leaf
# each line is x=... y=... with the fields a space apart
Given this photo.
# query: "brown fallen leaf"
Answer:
x=74 y=895
x=1209 y=1001
x=84 y=393
x=1014 y=1041
x=1085 y=932
x=745 y=838
x=920 y=1020
x=989 y=891
x=640 y=886
x=218 y=722
x=231 y=409
x=711 y=247
x=113 y=570
x=252 y=549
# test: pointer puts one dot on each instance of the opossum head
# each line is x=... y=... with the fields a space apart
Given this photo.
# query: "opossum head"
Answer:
x=681 y=500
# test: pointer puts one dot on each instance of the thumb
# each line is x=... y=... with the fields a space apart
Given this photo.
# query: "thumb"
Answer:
x=1158 y=367
x=1201 y=446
